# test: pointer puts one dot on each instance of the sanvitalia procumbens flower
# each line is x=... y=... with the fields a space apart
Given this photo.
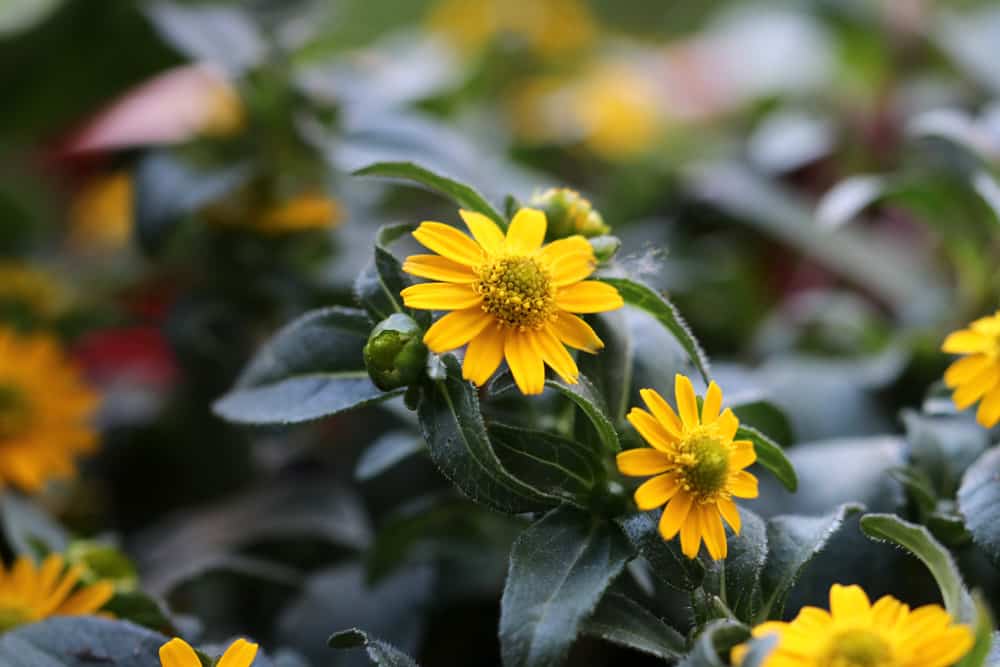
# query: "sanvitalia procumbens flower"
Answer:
x=30 y=593
x=976 y=376
x=511 y=297
x=698 y=466
x=857 y=633
x=178 y=653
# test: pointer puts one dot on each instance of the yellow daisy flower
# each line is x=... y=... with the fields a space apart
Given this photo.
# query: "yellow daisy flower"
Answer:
x=44 y=412
x=510 y=296
x=698 y=467
x=977 y=374
x=178 y=653
x=29 y=593
x=856 y=633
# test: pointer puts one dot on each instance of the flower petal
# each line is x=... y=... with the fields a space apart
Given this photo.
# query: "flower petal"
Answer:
x=447 y=241
x=240 y=653
x=656 y=492
x=456 y=329
x=556 y=356
x=674 y=514
x=526 y=231
x=743 y=454
x=691 y=532
x=484 y=230
x=484 y=354
x=570 y=260
x=729 y=512
x=974 y=389
x=525 y=362
x=743 y=485
x=687 y=402
x=177 y=653
x=642 y=462
x=663 y=412
x=965 y=369
x=989 y=410
x=436 y=267
x=967 y=341
x=87 y=600
x=576 y=333
x=651 y=430
x=728 y=424
x=713 y=403
x=589 y=296
x=849 y=603
x=440 y=296
x=714 y=533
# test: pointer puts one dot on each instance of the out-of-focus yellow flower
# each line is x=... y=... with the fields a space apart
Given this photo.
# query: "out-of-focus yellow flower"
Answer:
x=26 y=289
x=178 y=653
x=45 y=409
x=619 y=112
x=857 y=633
x=976 y=376
x=310 y=209
x=101 y=214
x=29 y=593
x=549 y=28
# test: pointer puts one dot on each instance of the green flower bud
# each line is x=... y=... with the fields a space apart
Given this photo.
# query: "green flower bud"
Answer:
x=395 y=354
x=103 y=562
x=605 y=247
x=568 y=213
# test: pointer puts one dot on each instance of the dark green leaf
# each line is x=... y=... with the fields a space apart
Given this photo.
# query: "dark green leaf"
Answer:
x=28 y=529
x=942 y=447
x=560 y=568
x=460 y=447
x=378 y=286
x=380 y=653
x=793 y=541
x=918 y=487
x=386 y=452
x=138 y=607
x=712 y=647
x=664 y=557
x=80 y=641
x=741 y=570
x=770 y=455
x=310 y=369
x=978 y=656
x=460 y=193
x=611 y=370
x=767 y=418
x=622 y=621
x=646 y=298
x=918 y=541
x=979 y=501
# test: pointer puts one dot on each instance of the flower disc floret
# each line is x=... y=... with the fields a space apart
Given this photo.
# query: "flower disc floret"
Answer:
x=517 y=290
x=703 y=464
x=856 y=647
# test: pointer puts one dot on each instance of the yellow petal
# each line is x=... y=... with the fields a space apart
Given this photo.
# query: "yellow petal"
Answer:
x=484 y=354
x=946 y=647
x=61 y=591
x=743 y=485
x=589 y=296
x=23 y=578
x=556 y=356
x=967 y=342
x=674 y=514
x=656 y=492
x=456 y=329
x=447 y=241
x=989 y=410
x=887 y=612
x=651 y=430
x=743 y=454
x=714 y=533
x=965 y=369
x=713 y=403
x=728 y=424
x=48 y=575
x=239 y=654
x=663 y=413
x=687 y=402
x=731 y=514
x=87 y=600
x=642 y=462
x=576 y=333
x=526 y=232
x=440 y=296
x=974 y=389
x=570 y=260
x=177 y=653
x=849 y=603
x=436 y=267
x=691 y=532
x=525 y=362
x=484 y=230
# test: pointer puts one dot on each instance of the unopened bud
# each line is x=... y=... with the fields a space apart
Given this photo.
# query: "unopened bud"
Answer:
x=395 y=354
x=568 y=213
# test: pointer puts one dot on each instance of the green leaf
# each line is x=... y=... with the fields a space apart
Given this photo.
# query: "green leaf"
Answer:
x=558 y=467
x=979 y=502
x=612 y=370
x=918 y=541
x=310 y=369
x=29 y=531
x=380 y=652
x=793 y=541
x=80 y=641
x=943 y=447
x=712 y=647
x=740 y=572
x=378 y=286
x=770 y=455
x=766 y=417
x=665 y=559
x=390 y=448
x=457 y=441
x=560 y=568
x=646 y=298
x=622 y=621
x=138 y=607
x=978 y=655
x=460 y=193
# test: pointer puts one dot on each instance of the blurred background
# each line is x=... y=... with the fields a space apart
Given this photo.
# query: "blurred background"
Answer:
x=814 y=183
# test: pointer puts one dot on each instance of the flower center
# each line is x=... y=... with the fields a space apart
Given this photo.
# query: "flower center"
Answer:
x=856 y=648
x=13 y=412
x=517 y=291
x=703 y=463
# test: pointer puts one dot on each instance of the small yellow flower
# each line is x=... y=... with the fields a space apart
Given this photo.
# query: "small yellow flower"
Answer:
x=29 y=593
x=101 y=213
x=24 y=287
x=977 y=374
x=511 y=297
x=618 y=110
x=178 y=653
x=856 y=633
x=309 y=210
x=698 y=467
x=44 y=412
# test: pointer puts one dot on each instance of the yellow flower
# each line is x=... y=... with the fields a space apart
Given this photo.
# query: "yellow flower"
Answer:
x=178 y=653
x=856 y=633
x=511 y=296
x=618 y=109
x=977 y=375
x=310 y=210
x=44 y=412
x=698 y=467
x=101 y=213
x=24 y=287
x=29 y=593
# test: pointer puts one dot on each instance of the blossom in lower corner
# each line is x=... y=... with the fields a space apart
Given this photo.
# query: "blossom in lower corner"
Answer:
x=30 y=593
x=697 y=466
x=857 y=633
x=178 y=653
x=976 y=376
x=511 y=297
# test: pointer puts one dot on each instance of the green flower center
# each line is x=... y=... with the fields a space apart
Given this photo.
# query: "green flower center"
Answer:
x=703 y=459
x=856 y=648
x=14 y=411
x=517 y=291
